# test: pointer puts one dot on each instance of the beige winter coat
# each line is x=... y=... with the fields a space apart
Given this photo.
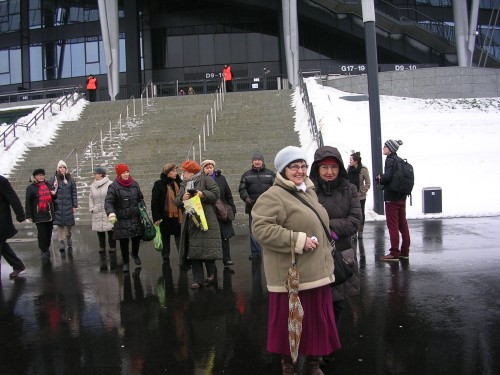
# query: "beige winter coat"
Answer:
x=276 y=213
x=364 y=182
x=97 y=195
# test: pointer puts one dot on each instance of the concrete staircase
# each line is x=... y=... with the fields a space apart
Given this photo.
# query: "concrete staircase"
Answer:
x=250 y=121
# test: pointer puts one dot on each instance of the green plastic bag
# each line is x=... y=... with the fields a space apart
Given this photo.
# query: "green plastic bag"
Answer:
x=158 y=242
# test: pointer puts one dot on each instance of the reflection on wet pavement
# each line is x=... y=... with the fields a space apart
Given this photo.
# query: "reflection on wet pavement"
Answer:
x=80 y=314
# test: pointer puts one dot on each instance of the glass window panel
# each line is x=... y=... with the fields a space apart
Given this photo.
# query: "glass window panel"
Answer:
x=14 y=6
x=92 y=52
x=35 y=19
x=4 y=61
x=15 y=66
x=174 y=51
x=191 y=55
x=77 y=60
x=123 y=56
x=65 y=60
x=92 y=68
x=15 y=22
x=207 y=50
x=4 y=79
x=36 y=63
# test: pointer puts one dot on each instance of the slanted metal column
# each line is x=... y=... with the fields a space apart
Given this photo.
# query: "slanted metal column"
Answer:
x=474 y=12
x=291 y=40
x=461 y=31
x=374 y=100
x=108 y=15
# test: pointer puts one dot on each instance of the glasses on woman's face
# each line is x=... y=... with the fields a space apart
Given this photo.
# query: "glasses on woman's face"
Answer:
x=296 y=167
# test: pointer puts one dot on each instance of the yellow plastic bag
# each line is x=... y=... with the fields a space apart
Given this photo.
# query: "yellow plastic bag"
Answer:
x=194 y=208
x=158 y=241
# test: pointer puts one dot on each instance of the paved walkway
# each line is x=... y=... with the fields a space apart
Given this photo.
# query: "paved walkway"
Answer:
x=438 y=313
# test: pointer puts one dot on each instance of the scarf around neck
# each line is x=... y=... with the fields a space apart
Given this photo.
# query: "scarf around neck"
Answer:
x=44 y=197
x=125 y=183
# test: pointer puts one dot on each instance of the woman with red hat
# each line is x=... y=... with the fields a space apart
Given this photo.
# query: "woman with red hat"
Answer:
x=122 y=208
x=199 y=246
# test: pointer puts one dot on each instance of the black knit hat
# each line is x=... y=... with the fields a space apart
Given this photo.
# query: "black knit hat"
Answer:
x=100 y=170
x=38 y=171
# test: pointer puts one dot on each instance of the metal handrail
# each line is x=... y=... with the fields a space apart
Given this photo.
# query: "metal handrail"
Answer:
x=311 y=120
x=11 y=129
x=208 y=125
x=36 y=94
x=146 y=95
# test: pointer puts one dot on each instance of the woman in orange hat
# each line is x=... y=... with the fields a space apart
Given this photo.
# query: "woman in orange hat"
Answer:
x=122 y=208
x=199 y=246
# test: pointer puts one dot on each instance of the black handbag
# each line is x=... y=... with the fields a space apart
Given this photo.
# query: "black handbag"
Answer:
x=148 y=228
x=223 y=211
x=342 y=269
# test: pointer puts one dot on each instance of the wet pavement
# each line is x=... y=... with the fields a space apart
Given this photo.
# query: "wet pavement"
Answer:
x=438 y=313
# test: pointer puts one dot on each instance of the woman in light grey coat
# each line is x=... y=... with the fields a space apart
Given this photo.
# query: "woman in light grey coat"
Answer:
x=100 y=223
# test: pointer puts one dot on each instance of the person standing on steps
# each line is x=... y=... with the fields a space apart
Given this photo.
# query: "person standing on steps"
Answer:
x=100 y=223
x=164 y=210
x=8 y=199
x=226 y=227
x=122 y=207
x=253 y=183
x=358 y=175
x=228 y=77
x=395 y=206
x=92 y=87
x=40 y=210
x=66 y=203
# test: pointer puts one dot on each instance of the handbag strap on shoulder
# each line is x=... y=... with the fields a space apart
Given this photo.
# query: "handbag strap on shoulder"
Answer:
x=327 y=232
x=292 y=248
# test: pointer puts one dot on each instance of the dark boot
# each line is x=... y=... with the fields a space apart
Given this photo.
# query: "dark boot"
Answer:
x=287 y=365
x=360 y=231
x=311 y=367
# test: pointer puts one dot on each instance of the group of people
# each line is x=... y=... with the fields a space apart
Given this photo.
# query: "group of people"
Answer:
x=288 y=211
x=300 y=213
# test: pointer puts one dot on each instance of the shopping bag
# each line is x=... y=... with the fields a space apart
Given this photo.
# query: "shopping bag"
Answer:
x=195 y=210
x=148 y=229
x=158 y=241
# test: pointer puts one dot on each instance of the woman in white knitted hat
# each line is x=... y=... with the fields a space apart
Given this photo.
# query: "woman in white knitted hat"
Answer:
x=282 y=223
x=66 y=203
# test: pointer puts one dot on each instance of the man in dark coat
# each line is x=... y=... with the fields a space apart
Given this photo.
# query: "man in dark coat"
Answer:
x=9 y=198
x=253 y=183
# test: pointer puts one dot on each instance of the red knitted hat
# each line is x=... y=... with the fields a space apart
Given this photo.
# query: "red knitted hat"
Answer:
x=329 y=161
x=190 y=166
x=120 y=168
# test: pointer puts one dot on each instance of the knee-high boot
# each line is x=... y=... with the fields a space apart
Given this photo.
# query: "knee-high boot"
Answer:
x=311 y=367
x=360 y=231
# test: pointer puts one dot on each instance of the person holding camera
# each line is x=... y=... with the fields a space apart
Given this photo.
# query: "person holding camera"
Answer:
x=197 y=245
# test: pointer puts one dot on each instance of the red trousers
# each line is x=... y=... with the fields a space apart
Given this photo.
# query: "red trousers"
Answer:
x=395 y=215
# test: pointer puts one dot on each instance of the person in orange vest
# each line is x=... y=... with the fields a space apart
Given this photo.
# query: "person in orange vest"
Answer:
x=92 y=87
x=228 y=77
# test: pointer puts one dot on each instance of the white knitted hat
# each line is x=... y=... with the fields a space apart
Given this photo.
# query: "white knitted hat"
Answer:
x=287 y=155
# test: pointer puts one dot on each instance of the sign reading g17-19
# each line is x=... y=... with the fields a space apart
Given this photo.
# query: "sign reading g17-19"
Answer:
x=355 y=69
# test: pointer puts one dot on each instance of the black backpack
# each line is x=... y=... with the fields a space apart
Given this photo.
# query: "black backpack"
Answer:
x=403 y=178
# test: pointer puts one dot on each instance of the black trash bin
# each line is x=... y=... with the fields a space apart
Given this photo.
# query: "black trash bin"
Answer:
x=432 y=200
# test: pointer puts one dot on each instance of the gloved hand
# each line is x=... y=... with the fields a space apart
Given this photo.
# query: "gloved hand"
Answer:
x=334 y=235
x=112 y=218
x=249 y=201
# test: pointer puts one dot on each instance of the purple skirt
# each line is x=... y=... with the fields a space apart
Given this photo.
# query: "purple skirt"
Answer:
x=319 y=333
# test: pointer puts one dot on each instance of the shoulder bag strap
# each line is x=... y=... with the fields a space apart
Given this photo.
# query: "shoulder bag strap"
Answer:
x=327 y=232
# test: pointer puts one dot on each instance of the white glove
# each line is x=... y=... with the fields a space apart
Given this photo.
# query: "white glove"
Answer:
x=112 y=218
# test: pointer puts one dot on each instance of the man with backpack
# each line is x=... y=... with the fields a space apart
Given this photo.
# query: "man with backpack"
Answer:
x=397 y=182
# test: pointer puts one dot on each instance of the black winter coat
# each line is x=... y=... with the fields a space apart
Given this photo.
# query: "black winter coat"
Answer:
x=253 y=183
x=31 y=204
x=65 y=200
x=226 y=227
x=9 y=198
x=169 y=225
x=386 y=178
x=341 y=200
x=124 y=202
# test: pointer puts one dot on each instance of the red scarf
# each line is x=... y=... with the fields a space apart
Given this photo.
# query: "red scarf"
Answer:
x=124 y=183
x=45 y=197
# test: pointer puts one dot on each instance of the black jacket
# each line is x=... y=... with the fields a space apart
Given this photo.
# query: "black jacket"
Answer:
x=159 y=196
x=31 y=204
x=124 y=202
x=226 y=227
x=253 y=183
x=8 y=198
x=386 y=178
